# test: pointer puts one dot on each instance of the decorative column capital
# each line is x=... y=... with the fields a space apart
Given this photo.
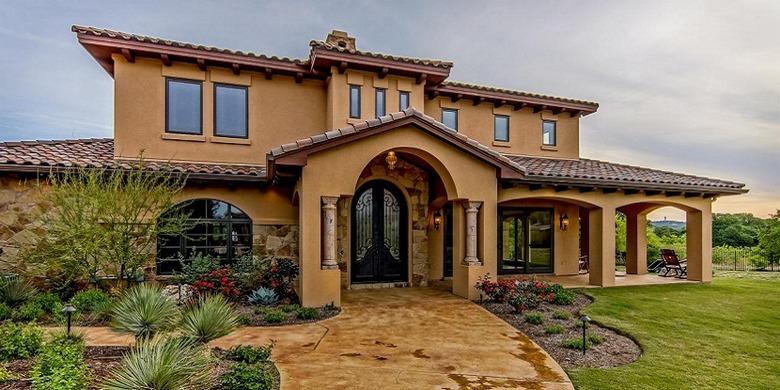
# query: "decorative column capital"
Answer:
x=473 y=206
x=329 y=201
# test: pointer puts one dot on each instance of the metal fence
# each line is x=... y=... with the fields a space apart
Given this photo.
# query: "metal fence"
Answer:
x=742 y=259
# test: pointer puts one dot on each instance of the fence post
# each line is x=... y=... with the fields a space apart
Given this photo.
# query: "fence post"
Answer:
x=735 y=259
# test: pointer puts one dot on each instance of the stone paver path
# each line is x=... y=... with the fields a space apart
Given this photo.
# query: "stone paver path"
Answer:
x=401 y=338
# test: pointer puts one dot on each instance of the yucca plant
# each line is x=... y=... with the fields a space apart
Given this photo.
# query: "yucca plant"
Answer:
x=209 y=318
x=14 y=292
x=163 y=363
x=144 y=311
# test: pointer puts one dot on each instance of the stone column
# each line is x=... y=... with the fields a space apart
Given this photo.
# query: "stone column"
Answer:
x=472 y=208
x=329 y=232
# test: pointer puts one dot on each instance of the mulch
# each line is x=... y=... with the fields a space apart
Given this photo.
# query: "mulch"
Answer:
x=252 y=318
x=616 y=350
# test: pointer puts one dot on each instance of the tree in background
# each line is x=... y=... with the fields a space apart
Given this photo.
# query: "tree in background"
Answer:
x=736 y=230
x=769 y=239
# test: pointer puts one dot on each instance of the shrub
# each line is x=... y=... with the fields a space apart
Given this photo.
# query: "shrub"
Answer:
x=307 y=313
x=553 y=329
x=193 y=269
x=331 y=307
x=524 y=300
x=210 y=318
x=163 y=363
x=579 y=325
x=561 y=315
x=500 y=291
x=243 y=376
x=30 y=311
x=143 y=311
x=49 y=302
x=280 y=277
x=60 y=366
x=574 y=343
x=562 y=296
x=19 y=341
x=91 y=300
x=6 y=375
x=263 y=296
x=534 y=318
x=218 y=281
x=249 y=354
x=274 y=316
x=288 y=308
x=5 y=311
x=595 y=339
x=16 y=292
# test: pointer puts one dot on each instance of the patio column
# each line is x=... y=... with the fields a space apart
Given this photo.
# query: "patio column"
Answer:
x=601 y=248
x=472 y=208
x=699 y=244
x=636 y=242
x=329 y=232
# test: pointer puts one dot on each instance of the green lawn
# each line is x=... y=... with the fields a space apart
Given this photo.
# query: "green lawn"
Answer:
x=724 y=335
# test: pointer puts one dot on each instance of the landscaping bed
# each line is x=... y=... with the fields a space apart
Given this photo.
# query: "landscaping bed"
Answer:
x=285 y=314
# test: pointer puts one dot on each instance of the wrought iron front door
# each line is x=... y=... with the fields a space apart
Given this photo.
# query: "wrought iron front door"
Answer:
x=379 y=234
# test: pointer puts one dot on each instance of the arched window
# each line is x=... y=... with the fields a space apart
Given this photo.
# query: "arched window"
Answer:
x=215 y=228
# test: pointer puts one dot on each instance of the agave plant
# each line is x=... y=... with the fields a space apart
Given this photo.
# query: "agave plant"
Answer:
x=163 y=363
x=211 y=317
x=144 y=311
x=263 y=296
x=14 y=292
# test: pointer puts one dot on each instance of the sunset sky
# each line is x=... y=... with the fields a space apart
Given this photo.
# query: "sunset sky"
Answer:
x=688 y=86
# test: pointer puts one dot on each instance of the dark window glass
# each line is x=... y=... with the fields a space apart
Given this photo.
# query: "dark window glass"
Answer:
x=501 y=127
x=215 y=228
x=403 y=100
x=548 y=133
x=526 y=241
x=230 y=111
x=183 y=106
x=354 y=101
x=450 y=118
x=380 y=102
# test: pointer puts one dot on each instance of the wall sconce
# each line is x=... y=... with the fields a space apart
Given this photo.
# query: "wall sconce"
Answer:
x=437 y=219
x=564 y=221
x=391 y=160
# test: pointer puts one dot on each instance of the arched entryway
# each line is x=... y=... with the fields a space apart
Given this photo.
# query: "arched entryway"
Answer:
x=379 y=234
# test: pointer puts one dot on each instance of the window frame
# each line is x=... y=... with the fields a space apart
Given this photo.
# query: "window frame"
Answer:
x=401 y=94
x=168 y=81
x=377 y=91
x=523 y=213
x=495 y=127
x=246 y=110
x=359 y=101
x=455 y=110
x=554 y=133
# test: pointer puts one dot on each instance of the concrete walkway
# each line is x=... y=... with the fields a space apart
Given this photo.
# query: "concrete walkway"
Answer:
x=402 y=338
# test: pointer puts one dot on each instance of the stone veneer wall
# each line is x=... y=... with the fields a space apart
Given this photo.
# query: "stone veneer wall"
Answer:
x=414 y=181
x=20 y=212
x=275 y=241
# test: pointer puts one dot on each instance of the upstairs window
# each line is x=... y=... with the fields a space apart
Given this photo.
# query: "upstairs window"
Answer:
x=501 y=128
x=450 y=118
x=183 y=106
x=354 y=101
x=379 y=100
x=549 y=133
x=403 y=100
x=230 y=111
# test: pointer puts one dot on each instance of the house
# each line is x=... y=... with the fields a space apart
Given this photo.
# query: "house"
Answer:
x=372 y=170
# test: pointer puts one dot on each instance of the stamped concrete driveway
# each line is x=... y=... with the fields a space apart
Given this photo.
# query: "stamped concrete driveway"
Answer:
x=406 y=338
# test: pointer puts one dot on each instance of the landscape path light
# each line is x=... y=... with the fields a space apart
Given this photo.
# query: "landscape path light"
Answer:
x=585 y=320
x=68 y=309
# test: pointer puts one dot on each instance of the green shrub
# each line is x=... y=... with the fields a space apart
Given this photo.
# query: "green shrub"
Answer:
x=144 y=311
x=562 y=295
x=19 y=341
x=30 y=311
x=6 y=375
x=192 y=270
x=243 y=376
x=163 y=363
x=579 y=325
x=274 y=316
x=595 y=339
x=561 y=315
x=49 y=302
x=553 y=329
x=331 y=307
x=307 y=313
x=288 y=308
x=91 y=301
x=16 y=292
x=534 y=318
x=575 y=343
x=5 y=312
x=244 y=319
x=249 y=354
x=60 y=366
x=210 y=318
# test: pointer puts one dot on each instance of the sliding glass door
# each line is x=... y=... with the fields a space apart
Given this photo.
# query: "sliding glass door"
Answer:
x=525 y=241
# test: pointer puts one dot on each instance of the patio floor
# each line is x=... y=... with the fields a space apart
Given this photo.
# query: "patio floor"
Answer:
x=621 y=280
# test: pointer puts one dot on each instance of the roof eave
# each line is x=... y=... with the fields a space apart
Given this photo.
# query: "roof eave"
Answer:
x=627 y=185
x=323 y=59
x=538 y=103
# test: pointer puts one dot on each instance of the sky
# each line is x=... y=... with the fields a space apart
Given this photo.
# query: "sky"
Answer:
x=687 y=86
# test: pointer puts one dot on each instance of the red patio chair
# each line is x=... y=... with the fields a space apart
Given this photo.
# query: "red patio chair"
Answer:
x=672 y=263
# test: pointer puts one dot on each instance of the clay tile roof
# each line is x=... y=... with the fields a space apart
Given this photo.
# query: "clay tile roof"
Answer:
x=102 y=32
x=587 y=171
x=515 y=92
x=99 y=153
x=408 y=60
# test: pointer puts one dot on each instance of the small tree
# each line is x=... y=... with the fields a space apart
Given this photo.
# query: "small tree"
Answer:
x=769 y=239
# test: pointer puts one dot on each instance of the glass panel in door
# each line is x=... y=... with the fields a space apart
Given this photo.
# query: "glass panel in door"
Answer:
x=540 y=240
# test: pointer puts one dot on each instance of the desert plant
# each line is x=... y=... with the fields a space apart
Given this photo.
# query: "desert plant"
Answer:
x=575 y=343
x=307 y=313
x=553 y=329
x=19 y=341
x=30 y=311
x=16 y=291
x=534 y=318
x=595 y=339
x=561 y=315
x=274 y=316
x=263 y=296
x=250 y=354
x=163 y=363
x=244 y=376
x=143 y=311
x=209 y=318
x=60 y=366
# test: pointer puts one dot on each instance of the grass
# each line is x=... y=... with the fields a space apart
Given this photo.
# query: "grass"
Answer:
x=723 y=335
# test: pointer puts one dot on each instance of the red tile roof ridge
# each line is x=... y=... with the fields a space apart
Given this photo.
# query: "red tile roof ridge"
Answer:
x=483 y=87
x=415 y=60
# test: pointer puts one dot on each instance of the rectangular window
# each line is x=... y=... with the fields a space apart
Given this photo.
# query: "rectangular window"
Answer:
x=380 y=106
x=450 y=118
x=501 y=128
x=230 y=111
x=354 y=101
x=526 y=241
x=403 y=100
x=183 y=106
x=548 y=133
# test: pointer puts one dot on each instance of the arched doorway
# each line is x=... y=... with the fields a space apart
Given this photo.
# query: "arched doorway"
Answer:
x=379 y=234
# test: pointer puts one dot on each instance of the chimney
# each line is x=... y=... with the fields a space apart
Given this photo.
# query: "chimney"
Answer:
x=341 y=39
